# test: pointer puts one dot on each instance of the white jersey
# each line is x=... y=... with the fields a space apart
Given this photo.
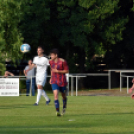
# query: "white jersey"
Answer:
x=42 y=63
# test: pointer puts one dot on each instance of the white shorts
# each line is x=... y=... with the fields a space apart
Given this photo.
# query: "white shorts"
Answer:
x=41 y=80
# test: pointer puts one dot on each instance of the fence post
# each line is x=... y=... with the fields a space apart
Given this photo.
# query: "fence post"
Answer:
x=31 y=86
x=76 y=86
x=72 y=86
x=120 y=81
x=109 y=79
x=127 y=84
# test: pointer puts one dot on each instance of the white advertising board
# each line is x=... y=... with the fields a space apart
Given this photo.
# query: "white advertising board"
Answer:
x=9 y=86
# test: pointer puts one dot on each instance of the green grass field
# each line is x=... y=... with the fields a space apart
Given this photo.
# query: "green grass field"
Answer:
x=85 y=114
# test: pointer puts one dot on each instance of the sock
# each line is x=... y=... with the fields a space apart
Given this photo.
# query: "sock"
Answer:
x=56 y=105
x=39 y=95
x=65 y=103
x=45 y=95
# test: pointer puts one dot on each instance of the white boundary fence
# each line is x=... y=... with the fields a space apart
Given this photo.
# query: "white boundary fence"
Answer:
x=105 y=74
x=121 y=76
x=127 y=82
x=125 y=71
x=117 y=70
x=79 y=75
x=72 y=76
x=82 y=75
x=121 y=80
x=72 y=81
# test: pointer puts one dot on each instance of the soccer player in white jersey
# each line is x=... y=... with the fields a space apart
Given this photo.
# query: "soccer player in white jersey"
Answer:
x=41 y=62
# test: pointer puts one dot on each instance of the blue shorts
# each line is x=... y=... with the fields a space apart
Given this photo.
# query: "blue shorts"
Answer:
x=56 y=87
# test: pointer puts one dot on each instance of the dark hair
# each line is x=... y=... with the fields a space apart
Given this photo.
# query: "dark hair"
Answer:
x=42 y=47
x=29 y=60
x=55 y=51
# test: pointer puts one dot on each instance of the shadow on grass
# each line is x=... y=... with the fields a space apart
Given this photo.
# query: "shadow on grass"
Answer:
x=42 y=130
x=16 y=106
x=101 y=114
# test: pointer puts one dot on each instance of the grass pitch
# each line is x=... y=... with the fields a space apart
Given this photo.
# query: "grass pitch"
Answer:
x=85 y=115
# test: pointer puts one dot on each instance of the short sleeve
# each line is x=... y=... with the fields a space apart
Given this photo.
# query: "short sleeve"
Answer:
x=26 y=68
x=48 y=62
x=34 y=60
x=65 y=65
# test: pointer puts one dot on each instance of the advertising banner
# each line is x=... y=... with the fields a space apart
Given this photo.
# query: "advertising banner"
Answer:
x=9 y=86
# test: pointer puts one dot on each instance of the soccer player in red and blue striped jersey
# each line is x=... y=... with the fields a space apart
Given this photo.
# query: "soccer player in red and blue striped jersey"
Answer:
x=58 y=81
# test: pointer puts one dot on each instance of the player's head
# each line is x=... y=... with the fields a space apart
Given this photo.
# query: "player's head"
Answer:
x=54 y=53
x=6 y=74
x=30 y=62
x=40 y=50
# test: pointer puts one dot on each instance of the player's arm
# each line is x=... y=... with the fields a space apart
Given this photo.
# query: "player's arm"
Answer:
x=9 y=73
x=50 y=71
x=51 y=76
x=60 y=71
x=25 y=72
x=64 y=71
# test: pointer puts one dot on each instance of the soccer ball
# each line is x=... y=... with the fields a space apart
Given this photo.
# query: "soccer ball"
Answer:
x=25 y=48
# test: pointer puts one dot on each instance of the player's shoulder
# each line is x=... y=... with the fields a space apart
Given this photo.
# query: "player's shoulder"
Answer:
x=50 y=61
x=26 y=66
x=35 y=57
x=45 y=57
x=61 y=59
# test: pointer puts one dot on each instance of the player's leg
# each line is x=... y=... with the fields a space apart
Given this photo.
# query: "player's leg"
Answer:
x=43 y=92
x=46 y=97
x=27 y=87
x=39 y=93
x=55 y=89
x=40 y=81
x=64 y=97
x=39 y=90
x=33 y=86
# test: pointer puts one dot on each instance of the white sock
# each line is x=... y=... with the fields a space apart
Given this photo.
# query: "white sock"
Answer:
x=45 y=95
x=39 y=95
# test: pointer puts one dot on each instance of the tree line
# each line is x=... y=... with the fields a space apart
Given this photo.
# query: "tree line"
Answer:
x=80 y=29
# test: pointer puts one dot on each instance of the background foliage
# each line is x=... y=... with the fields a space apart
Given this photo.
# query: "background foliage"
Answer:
x=10 y=35
x=80 y=29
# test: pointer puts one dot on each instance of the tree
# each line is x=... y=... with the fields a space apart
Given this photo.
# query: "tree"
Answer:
x=10 y=36
x=79 y=28
x=34 y=23
x=123 y=52
x=86 y=27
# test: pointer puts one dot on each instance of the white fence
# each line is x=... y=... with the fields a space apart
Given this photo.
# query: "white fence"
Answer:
x=104 y=74
x=79 y=75
x=82 y=75
x=72 y=76
x=121 y=80
x=127 y=82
